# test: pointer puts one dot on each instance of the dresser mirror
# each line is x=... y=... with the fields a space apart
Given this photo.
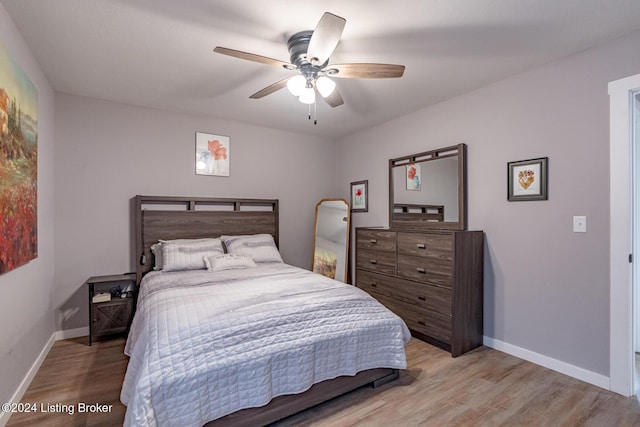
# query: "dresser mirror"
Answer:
x=429 y=190
x=331 y=239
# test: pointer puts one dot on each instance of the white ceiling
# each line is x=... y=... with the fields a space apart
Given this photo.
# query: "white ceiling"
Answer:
x=158 y=53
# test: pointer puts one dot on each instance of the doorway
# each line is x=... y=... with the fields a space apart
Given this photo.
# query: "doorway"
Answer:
x=635 y=170
x=624 y=185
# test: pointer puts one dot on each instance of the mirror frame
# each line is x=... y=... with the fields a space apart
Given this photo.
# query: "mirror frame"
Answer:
x=418 y=221
x=348 y=235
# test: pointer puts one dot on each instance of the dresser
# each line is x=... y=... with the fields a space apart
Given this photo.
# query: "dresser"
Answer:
x=431 y=279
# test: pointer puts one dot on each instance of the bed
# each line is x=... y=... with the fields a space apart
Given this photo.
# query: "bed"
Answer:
x=244 y=346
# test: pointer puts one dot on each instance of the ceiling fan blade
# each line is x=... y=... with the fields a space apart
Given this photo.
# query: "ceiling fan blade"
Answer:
x=365 y=71
x=325 y=38
x=270 y=89
x=334 y=99
x=253 y=57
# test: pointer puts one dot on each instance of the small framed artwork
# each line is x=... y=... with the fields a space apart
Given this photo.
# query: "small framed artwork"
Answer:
x=527 y=179
x=414 y=177
x=359 y=196
x=212 y=154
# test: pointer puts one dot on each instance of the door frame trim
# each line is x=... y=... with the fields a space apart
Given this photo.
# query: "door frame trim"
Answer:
x=620 y=237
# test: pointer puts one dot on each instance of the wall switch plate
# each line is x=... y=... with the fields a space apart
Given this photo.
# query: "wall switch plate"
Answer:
x=579 y=224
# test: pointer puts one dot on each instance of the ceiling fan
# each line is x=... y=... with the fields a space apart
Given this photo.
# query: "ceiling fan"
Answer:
x=310 y=52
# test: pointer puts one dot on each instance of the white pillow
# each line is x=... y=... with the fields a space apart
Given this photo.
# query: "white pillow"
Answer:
x=228 y=262
x=188 y=254
x=157 y=255
x=261 y=247
x=156 y=248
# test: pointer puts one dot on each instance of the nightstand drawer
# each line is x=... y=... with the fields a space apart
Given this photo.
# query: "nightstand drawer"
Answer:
x=378 y=240
x=421 y=294
x=382 y=262
x=112 y=317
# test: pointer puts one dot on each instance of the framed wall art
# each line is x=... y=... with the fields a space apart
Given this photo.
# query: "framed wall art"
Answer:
x=212 y=154
x=360 y=196
x=527 y=180
x=414 y=177
x=18 y=165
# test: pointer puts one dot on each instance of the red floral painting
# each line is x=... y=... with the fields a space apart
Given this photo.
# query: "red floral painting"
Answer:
x=212 y=154
x=18 y=166
x=413 y=177
x=359 y=198
x=217 y=150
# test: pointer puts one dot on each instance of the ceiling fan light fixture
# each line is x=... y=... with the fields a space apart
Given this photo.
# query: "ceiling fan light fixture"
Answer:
x=308 y=96
x=296 y=84
x=325 y=86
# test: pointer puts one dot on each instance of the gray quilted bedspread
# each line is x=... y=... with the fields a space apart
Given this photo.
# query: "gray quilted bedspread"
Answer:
x=206 y=344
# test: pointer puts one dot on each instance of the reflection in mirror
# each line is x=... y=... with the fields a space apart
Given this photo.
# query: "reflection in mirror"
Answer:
x=331 y=239
x=428 y=190
x=427 y=187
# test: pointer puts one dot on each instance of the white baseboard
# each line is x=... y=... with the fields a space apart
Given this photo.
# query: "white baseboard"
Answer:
x=24 y=385
x=72 y=333
x=582 y=374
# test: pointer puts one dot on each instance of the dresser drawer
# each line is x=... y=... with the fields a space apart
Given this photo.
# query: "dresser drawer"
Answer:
x=439 y=246
x=379 y=240
x=436 y=271
x=432 y=324
x=421 y=294
x=383 y=262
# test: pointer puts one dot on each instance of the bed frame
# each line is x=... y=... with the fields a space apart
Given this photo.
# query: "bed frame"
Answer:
x=170 y=218
x=162 y=217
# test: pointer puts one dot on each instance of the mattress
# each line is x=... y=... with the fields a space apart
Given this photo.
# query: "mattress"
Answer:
x=205 y=344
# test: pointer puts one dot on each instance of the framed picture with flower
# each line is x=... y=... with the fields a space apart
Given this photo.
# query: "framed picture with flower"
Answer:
x=212 y=154
x=414 y=177
x=360 y=196
x=527 y=180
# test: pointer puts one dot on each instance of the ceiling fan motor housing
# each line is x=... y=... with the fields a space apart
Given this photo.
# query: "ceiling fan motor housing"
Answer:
x=298 y=45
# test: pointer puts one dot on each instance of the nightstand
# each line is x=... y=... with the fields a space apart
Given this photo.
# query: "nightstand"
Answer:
x=112 y=316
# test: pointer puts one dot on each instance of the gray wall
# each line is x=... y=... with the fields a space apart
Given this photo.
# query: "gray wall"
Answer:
x=546 y=288
x=109 y=152
x=25 y=307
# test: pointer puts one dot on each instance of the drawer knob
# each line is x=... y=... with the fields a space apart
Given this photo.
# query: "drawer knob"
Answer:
x=373 y=261
x=421 y=298
x=421 y=246
x=373 y=241
x=374 y=285
x=421 y=270
x=422 y=323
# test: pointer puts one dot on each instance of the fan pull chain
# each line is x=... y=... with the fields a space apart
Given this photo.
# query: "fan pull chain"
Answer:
x=315 y=113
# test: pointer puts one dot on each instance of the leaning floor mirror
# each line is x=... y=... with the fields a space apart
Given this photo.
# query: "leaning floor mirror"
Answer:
x=331 y=239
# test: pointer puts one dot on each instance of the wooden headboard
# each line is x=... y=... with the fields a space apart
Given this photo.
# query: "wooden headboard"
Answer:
x=163 y=217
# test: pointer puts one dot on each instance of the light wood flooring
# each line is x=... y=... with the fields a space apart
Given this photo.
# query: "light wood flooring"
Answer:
x=481 y=388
